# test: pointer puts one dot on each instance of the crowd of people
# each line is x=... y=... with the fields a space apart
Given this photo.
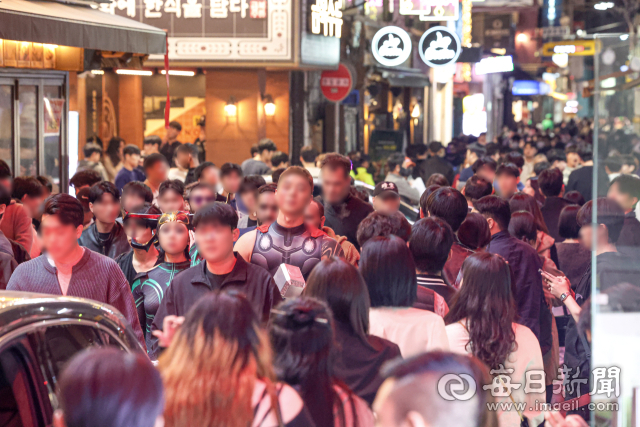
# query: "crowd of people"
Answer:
x=491 y=281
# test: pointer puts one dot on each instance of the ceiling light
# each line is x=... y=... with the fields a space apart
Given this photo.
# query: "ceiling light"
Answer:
x=624 y=37
x=127 y=72
x=97 y=72
x=183 y=73
x=603 y=5
x=522 y=38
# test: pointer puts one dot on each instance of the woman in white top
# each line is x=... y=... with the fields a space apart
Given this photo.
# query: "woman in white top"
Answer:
x=390 y=273
x=302 y=336
x=481 y=322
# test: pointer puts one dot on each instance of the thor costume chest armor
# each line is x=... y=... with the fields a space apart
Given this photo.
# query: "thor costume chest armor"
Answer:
x=298 y=246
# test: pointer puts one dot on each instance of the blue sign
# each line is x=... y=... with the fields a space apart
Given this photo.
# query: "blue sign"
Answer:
x=529 y=88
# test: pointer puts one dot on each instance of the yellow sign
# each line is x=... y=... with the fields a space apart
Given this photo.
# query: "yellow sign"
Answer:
x=570 y=47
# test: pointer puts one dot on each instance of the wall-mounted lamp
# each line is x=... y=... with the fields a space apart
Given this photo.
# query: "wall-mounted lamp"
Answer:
x=231 y=109
x=522 y=38
x=269 y=105
x=415 y=111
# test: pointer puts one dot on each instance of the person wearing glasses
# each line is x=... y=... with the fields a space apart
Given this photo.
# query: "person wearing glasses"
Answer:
x=216 y=229
x=200 y=194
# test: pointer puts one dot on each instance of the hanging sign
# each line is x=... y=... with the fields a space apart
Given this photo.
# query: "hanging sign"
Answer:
x=431 y=10
x=326 y=18
x=336 y=84
x=391 y=46
x=570 y=47
x=439 y=46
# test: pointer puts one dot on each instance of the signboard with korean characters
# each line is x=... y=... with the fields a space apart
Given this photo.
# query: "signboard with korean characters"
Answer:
x=325 y=17
x=431 y=10
x=219 y=30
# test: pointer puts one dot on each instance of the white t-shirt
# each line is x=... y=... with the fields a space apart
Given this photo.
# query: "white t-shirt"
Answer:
x=526 y=357
x=413 y=330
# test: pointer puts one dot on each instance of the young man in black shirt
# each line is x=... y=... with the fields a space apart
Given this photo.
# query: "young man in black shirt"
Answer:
x=216 y=229
x=105 y=235
x=343 y=212
x=430 y=244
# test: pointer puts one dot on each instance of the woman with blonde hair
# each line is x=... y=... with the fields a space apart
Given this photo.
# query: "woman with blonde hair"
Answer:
x=217 y=370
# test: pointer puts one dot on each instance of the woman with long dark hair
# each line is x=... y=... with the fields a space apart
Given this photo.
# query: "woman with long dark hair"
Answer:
x=149 y=287
x=359 y=356
x=481 y=322
x=117 y=388
x=112 y=159
x=302 y=336
x=546 y=244
x=387 y=266
x=217 y=370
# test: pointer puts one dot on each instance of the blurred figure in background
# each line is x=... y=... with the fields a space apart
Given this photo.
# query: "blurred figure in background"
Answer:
x=92 y=155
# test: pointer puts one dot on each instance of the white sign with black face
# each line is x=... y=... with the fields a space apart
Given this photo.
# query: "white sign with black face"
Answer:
x=391 y=46
x=439 y=46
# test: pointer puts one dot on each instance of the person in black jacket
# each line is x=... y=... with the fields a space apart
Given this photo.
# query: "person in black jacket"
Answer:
x=216 y=228
x=552 y=188
x=105 y=235
x=625 y=190
x=435 y=164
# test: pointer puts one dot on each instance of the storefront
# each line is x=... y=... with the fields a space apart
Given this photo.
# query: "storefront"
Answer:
x=43 y=45
x=245 y=53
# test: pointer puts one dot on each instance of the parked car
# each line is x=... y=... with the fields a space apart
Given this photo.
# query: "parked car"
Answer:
x=38 y=335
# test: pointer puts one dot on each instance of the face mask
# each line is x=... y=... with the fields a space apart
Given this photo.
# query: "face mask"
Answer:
x=406 y=172
x=144 y=246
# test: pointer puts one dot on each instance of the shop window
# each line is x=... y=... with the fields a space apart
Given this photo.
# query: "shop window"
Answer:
x=28 y=119
x=6 y=124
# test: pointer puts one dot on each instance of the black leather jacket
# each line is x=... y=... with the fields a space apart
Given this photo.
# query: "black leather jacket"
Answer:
x=113 y=246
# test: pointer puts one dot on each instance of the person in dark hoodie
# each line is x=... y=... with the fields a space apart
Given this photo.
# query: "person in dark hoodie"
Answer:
x=105 y=235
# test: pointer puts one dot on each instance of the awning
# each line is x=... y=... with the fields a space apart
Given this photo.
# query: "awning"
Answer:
x=76 y=25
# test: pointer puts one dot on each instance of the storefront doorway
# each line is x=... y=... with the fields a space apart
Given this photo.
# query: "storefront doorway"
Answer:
x=33 y=124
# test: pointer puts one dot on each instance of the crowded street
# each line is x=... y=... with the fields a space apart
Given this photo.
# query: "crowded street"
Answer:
x=319 y=213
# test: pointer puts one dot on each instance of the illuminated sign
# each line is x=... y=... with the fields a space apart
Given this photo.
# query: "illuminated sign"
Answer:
x=326 y=18
x=439 y=46
x=431 y=10
x=494 y=64
x=474 y=116
x=529 y=88
x=391 y=46
x=570 y=47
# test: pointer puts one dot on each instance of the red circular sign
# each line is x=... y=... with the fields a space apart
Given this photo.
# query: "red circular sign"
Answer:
x=336 y=84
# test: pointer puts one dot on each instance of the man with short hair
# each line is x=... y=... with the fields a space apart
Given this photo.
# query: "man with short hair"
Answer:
x=230 y=178
x=254 y=156
x=187 y=159
x=170 y=143
x=386 y=198
x=430 y=244
x=398 y=174
x=410 y=395
x=84 y=179
x=207 y=173
x=156 y=169
x=28 y=191
x=200 y=194
x=343 y=212
x=171 y=196
x=378 y=224
x=507 y=180
x=314 y=217
x=134 y=195
x=474 y=152
x=530 y=150
x=436 y=163
x=130 y=170
x=279 y=160
x=16 y=222
x=247 y=196
x=70 y=270
x=151 y=144
x=216 y=229
x=308 y=158
x=552 y=188
x=92 y=154
x=261 y=163
x=451 y=206
x=625 y=190
x=486 y=168
x=105 y=236
x=524 y=262
x=476 y=188
x=288 y=240
x=581 y=180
